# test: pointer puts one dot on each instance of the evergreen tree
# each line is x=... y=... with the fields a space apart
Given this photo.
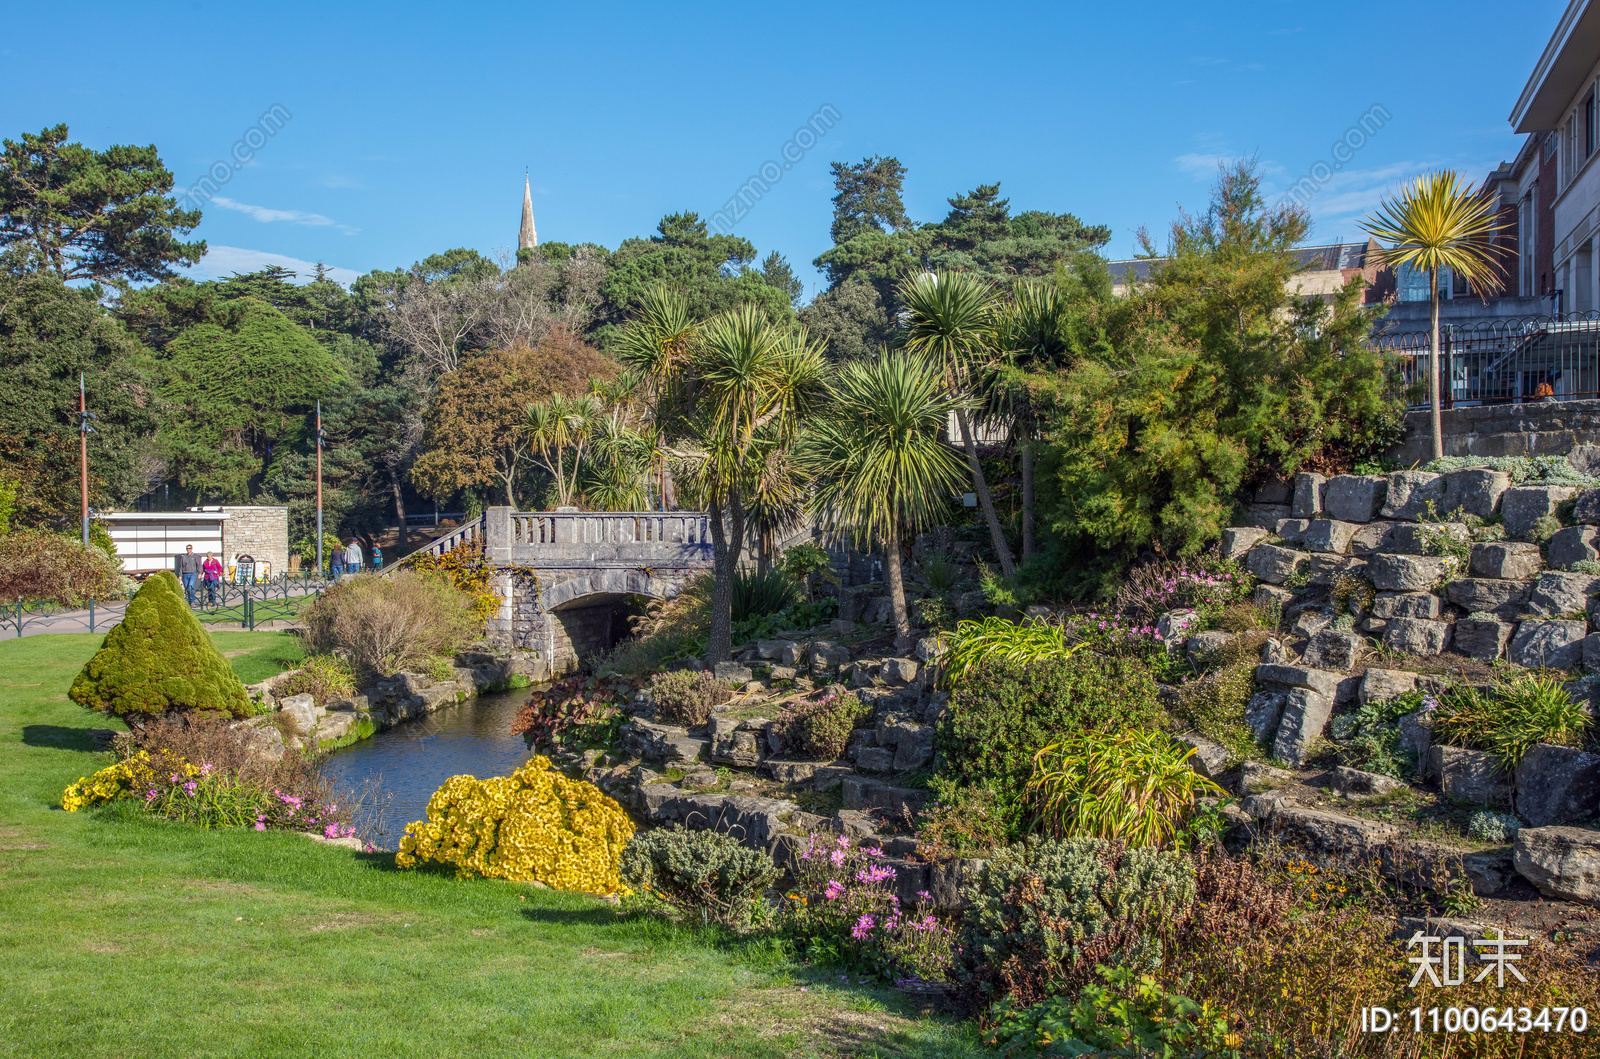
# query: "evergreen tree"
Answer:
x=159 y=660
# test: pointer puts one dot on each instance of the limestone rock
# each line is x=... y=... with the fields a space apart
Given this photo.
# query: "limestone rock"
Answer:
x=1337 y=649
x=732 y=672
x=862 y=792
x=1482 y=640
x=1587 y=509
x=1474 y=491
x=875 y=759
x=1173 y=626
x=1308 y=491
x=1416 y=737
x=1271 y=563
x=1549 y=644
x=1209 y=759
x=1328 y=535
x=1557 y=785
x=1273 y=491
x=930 y=649
x=1374 y=537
x=826 y=658
x=1354 y=497
x=1507 y=599
x=1563 y=862
x=1293 y=530
x=1523 y=505
x=1321 y=682
x=898 y=671
x=1273 y=652
x=1271 y=596
x=1255 y=777
x=1591 y=652
x=772 y=650
x=1262 y=713
x=1238 y=541
x=1406 y=573
x=1380 y=685
x=1506 y=559
x=1409 y=493
x=1406 y=605
x=1412 y=539
x=1489 y=871
x=1305 y=715
x=782 y=673
x=795 y=653
x=1416 y=636
x=794 y=771
x=914 y=747
x=1575 y=544
x=1585 y=459
x=1265 y=515
x=829 y=777
x=735 y=743
x=1202 y=645
x=946 y=879
x=263 y=739
x=1469 y=776
x=1310 y=622
x=301 y=710
x=1354 y=781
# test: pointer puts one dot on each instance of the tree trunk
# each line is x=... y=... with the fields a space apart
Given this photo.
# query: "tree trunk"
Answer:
x=1433 y=366
x=897 y=588
x=726 y=544
x=1008 y=568
x=511 y=498
x=399 y=507
x=1027 y=500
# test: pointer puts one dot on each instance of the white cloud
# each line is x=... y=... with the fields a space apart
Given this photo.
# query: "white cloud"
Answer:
x=1348 y=196
x=268 y=216
x=335 y=180
x=1201 y=166
x=223 y=261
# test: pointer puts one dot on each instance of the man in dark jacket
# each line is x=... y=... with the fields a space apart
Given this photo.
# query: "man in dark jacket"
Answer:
x=189 y=571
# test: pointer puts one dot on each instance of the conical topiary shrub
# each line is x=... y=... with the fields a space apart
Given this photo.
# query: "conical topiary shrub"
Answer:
x=158 y=660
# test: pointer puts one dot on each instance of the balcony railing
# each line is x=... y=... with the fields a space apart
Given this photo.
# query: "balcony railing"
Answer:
x=1505 y=361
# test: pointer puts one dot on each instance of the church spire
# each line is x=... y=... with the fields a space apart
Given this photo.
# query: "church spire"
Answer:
x=527 y=239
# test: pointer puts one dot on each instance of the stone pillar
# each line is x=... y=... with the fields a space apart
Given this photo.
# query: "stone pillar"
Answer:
x=497 y=538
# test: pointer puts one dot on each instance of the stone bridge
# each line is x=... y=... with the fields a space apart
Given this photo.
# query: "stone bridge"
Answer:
x=583 y=563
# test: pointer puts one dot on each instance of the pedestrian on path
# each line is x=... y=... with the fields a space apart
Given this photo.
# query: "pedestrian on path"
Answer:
x=352 y=557
x=336 y=561
x=377 y=557
x=211 y=573
x=189 y=571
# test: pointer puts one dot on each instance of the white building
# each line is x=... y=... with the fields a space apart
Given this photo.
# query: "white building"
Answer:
x=148 y=541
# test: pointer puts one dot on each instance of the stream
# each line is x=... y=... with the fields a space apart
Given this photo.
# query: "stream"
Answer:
x=401 y=767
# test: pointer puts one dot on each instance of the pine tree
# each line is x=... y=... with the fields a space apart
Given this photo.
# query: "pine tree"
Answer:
x=159 y=660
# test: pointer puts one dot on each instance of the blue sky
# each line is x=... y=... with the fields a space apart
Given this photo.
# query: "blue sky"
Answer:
x=412 y=124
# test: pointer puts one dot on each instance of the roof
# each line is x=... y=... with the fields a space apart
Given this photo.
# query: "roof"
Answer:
x=1561 y=71
x=1327 y=258
x=163 y=516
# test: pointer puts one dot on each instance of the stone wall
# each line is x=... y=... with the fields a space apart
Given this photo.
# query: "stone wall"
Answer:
x=580 y=632
x=1532 y=428
x=259 y=532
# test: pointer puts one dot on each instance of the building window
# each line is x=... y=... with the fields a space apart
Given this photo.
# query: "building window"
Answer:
x=1588 y=125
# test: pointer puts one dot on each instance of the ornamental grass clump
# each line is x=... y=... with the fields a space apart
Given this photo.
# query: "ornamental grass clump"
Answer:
x=535 y=825
x=996 y=639
x=698 y=875
x=844 y=909
x=1511 y=718
x=408 y=620
x=159 y=661
x=1135 y=786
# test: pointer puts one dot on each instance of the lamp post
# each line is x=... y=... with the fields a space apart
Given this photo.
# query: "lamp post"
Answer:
x=84 y=430
x=319 y=490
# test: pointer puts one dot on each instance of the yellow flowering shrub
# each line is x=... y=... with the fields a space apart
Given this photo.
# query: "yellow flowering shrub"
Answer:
x=535 y=825
x=114 y=781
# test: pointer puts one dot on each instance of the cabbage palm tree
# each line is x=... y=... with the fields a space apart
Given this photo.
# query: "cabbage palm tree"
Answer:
x=875 y=454
x=952 y=318
x=752 y=385
x=557 y=425
x=1031 y=334
x=1438 y=222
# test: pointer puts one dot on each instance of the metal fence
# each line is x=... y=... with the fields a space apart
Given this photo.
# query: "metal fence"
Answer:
x=245 y=604
x=1500 y=361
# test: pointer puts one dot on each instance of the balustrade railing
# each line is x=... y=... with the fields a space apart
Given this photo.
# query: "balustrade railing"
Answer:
x=609 y=527
x=467 y=533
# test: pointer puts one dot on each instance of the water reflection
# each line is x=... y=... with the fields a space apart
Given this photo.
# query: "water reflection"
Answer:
x=407 y=763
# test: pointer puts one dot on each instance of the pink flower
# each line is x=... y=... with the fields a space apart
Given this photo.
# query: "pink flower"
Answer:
x=875 y=874
x=837 y=856
x=331 y=831
x=863 y=926
x=834 y=891
x=925 y=895
x=260 y=826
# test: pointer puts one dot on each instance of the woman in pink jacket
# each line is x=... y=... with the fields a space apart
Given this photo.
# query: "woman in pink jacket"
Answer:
x=211 y=574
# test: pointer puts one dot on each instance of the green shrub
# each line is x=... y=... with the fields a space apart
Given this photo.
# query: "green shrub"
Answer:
x=938 y=574
x=158 y=661
x=1044 y=913
x=1524 y=470
x=702 y=876
x=1005 y=710
x=686 y=697
x=41 y=565
x=959 y=822
x=1586 y=566
x=1493 y=827
x=1131 y=1015
x=406 y=620
x=762 y=591
x=807 y=563
x=1511 y=718
x=1135 y=786
x=819 y=730
x=975 y=642
x=325 y=677
x=1372 y=736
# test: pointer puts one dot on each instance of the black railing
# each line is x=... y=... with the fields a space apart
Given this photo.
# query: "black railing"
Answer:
x=1536 y=358
x=246 y=604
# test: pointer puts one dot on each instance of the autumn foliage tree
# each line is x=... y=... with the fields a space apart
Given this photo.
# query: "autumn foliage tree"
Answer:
x=476 y=425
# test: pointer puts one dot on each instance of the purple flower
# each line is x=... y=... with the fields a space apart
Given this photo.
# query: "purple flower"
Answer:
x=925 y=895
x=863 y=926
x=834 y=891
x=875 y=874
x=837 y=856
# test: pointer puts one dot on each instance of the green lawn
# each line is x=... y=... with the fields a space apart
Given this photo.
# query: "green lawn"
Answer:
x=125 y=936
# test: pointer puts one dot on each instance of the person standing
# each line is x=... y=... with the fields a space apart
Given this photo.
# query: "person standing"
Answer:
x=211 y=574
x=352 y=557
x=189 y=571
x=336 y=562
x=377 y=558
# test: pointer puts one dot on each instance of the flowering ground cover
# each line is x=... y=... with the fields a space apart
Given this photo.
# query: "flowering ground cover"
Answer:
x=124 y=934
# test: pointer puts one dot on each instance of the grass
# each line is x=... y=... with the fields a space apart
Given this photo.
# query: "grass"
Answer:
x=122 y=935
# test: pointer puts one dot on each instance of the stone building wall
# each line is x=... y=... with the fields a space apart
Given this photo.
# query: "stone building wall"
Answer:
x=259 y=532
x=1532 y=428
